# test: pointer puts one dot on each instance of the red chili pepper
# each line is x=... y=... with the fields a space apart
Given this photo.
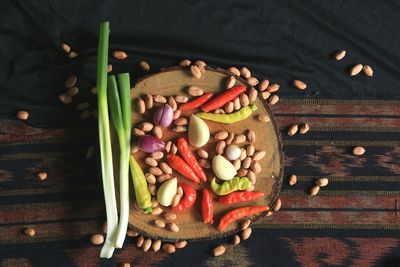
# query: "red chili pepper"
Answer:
x=189 y=197
x=223 y=98
x=239 y=213
x=196 y=102
x=179 y=165
x=207 y=207
x=191 y=160
x=243 y=196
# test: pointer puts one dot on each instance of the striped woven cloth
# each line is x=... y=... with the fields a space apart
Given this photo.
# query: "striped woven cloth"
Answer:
x=354 y=221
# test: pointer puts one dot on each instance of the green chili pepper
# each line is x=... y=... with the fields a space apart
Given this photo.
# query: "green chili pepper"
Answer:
x=235 y=184
x=237 y=116
x=142 y=193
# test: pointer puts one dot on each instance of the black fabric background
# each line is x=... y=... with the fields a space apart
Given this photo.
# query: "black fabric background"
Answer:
x=279 y=40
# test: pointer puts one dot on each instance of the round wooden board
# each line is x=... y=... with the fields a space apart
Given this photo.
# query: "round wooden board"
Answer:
x=175 y=81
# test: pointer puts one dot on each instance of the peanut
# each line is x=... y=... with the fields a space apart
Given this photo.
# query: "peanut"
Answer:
x=242 y=172
x=65 y=99
x=250 y=150
x=236 y=240
x=72 y=54
x=169 y=248
x=73 y=91
x=238 y=139
x=156 y=245
x=340 y=54
x=230 y=82
x=252 y=176
x=138 y=132
x=202 y=154
x=168 y=146
x=181 y=99
x=22 y=115
x=299 y=84
x=195 y=91
x=109 y=68
x=121 y=55
x=182 y=121
x=181 y=244
x=273 y=99
x=293 y=129
x=245 y=72
x=358 y=150
x=157 y=131
x=314 y=190
x=246 y=163
x=236 y=103
x=245 y=224
x=157 y=211
x=256 y=167
x=321 y=182
x=173 y=227
x=244 y=100
x=147 y=244
x=172 y=103
x=97 y=239
x=149 y=101
x=169 y=216
x=163 y=177
x=151 y=162
x=292 y=179
x=140 y=241
x=159 y=223
x=174 y=149
x=263 y=118
x=180 y=129
x=252 y=95
x=159 y=99
x=82 y=106
x=278 y=205
x=155 y=171
x=71 y=81
x=229 y=139
x=141 y=106
x=195 y=71
x=65 y=47
x=265 y=94
x=177 y=114
x=221 y=135
x=157 y=155
x=218 y=251
x=237 y=164
x=259 y=155
x=246 y=233
x=144 y=65
x=243 y=154
x=150 y=178
x=130 y=233
x=31 y=232
x=42 y=176
x=229 y=107
x=304 y=128
x=368 y=70
x=220 y=147
x=175 y=200
x=273 y=87
x=263 y=85
x=252 y=81
x=356 y=69
x=146 y=126
x=165 y=167
x=251 y=136
x=185 y=62
x=204 y=163
x=234 y=70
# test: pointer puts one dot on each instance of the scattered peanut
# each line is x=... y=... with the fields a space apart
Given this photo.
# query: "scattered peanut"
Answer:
x=272 y=100
x=121 y=55
x=229 y=107
x=252 y=95
x=236 y=240
x=65 y=99
x=221 y=135
x=71 y=81
x=202 y=154
x=168 y=146
x=109 y=68
x=236 y=103
x=182 y=121
x=358 y=150
x=146 y=126
x=356 y=69
x=174 y=149
x=218 y=251
x=177 y=114
x=173 y=227
x=150 y=178
x=265 y=95
x=340 y=54
x=220 y=147
x=180 y=129
x=256 y=167
x=314 y=190
x=245 y=72
x=169 y=248
x=131 y=233
x=299 y=84
x=159 y=223
x=73 y=91
x=165 y=168
x=181 y=244
x=157 y=155
x=22 y=115
x=195 y=71
x=169 y=216
x=229 y=139
x=242 y=173
x=138 y=132
x=252 y=176
x=93 y=90
x=246 y=163
x=250 y=150
x=42 y=176
x=156 y=245
x=244 y=100
x=141 y=106
x=230 y=82
x=368 y=70
x=155 y=171
x=144 y=65
x=181 y=99
x=175 y=200
x=234 y=70
x=245 y=224
x=162 y=178
x=238 y=139
x=157 y=211
x=252 y=81
x=293 y=129
x=263 y=118
x=321 y=182
x=246 y=233
x=147 y=244
x=72 y=54
x=65 y=47
x=273 y=87
x=139 y=241
x=204 y=163
x=278 y=205
x=243 y=154
x=97 y=239
x=237 y=164
x=251 y=136
x=30 y=232
x=305 y=128
x=171 y=101
x=195 y=91
x=82 y=106
x=185 y=62
x=159 y=99
x=263 y=85
x=157 y=131
x=149 y=101
x=151 y=162
x=292 y=179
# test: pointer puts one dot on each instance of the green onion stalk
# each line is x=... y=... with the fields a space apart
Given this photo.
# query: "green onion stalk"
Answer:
x=120 y=108
x=105 y=143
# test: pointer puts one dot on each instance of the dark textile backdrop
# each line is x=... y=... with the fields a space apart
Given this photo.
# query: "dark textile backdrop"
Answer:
x=278 y=40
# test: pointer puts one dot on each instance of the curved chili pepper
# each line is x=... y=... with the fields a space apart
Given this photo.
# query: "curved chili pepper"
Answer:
x=207 y=207
x=188 y=156
x=237 y=197
x=235 y=184
x=223 y=98
x=189 y=197
x=196 y=102
x=239 y=213
x=179 y=165
x=237 y=116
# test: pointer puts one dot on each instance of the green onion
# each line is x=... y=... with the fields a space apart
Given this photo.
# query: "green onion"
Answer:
x=120 y=108
x=105 y=143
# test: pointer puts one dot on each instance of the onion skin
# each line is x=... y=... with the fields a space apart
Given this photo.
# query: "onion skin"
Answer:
x=163 y=116
x=150 y=144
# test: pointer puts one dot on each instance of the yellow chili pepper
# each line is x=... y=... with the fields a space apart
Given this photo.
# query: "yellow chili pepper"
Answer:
x=237 y=116
x=142 y=193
